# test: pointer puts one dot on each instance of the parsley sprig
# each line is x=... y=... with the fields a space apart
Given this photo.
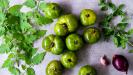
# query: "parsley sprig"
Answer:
x=118 y=32
x=18 y=35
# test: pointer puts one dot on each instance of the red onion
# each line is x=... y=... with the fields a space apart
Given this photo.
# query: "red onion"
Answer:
x=120 y=63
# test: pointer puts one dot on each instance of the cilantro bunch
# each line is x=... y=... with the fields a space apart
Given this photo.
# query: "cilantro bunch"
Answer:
x=118 y=33
x=18 y=35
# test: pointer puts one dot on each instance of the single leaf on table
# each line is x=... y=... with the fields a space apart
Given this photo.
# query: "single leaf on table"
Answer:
x=116 y=41
x=119 y=11
x=123 y=41
x=2 y=18
x=14 y=71
x=8 y=63
x=42 y=20
x=11 y=55
x=15 y=10
x=33 y=51
x=123 y=44
x=122 y=26
x=4 y=3
x=30 y=3
x=30 y=38
x=30 y=71
x=112 y=6
x=8 y=38
x=130 y=51
x=23 y=67
x=2 y=30
x=25 y=26
x=29 y=15
x=40 y=33
x=38 y=58
x=42 y=5
x=106 y=21
x=130 y=31
x=4 y=48
x=103 y=5
x=108 y=32
x=12 y=20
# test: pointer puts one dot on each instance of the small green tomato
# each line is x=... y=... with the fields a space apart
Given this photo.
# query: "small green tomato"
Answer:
x=91 y=35
x=53 y=43
x=74 y=42
x=87 y=70
x=54 y=68
x=52 y=10
x=66 y=24
x=69 y=60
x=87 y=17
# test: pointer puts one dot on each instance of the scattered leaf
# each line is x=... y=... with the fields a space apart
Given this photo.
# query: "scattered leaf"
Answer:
x=41 y=33
x=130 y=31
x=14 y=71
x=38 y=58
x=30 y=3
x=130 y=51
x=4 y=3
x=4 y=48
x=42 y=5
x=30 y=71
x=8 y=63
x=15 y=10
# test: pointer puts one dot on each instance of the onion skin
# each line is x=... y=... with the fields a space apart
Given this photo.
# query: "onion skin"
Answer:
x=120 y=63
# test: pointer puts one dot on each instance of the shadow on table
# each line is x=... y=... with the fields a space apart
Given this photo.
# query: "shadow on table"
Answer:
x=84 y=58
x=66 y=7
x=101 y=70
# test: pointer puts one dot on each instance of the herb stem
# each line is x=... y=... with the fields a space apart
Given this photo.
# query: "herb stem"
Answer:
x=130 y=43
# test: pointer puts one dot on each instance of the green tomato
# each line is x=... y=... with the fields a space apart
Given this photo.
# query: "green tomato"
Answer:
x=87 y=70
x=53 y=44
x=52 y=10
x=91 y=35
x=54 y=68
x=69 y=60
x=87 y=17
x=74 y=42
x=66 y=24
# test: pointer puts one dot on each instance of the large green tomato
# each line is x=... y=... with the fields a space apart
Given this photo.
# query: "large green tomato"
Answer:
x=69 y=60
x=87 y=70
x=52 y=10
x=54 y=68
x=87 y=17
x=66 y=24
x=53 y=43
x=74 y=42
x=91 y=35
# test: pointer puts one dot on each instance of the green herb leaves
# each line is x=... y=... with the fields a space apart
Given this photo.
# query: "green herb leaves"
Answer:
x=18 y=35
x=103 y=5
x=4 y=4
x=4 y=48
x=118 y=33
x=40 y=19
x=15 y=10
x=30 y=3
x=8 y=63
x=38 y=58
x=14 y=71
x=30 y=71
